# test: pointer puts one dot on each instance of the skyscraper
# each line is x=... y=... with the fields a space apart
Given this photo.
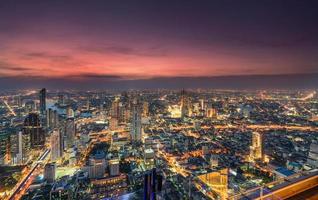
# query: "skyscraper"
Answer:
x=184 y=104
x=70 y=131
x=256 y=149
x=33 y=128
x=145 y=109
x=56 y=149
x=136 y=130
x=312 y=159
x=114 y=167
x=43 y=101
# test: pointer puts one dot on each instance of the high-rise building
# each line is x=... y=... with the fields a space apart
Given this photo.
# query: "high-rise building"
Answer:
x=312 y=159
x=52 y=118
x=113 y=124
x=214 y=161
x=152 y=184
x=70 y=132
x=69 y=112
x=42 y=101
x=49 y=172
x=97 y=166
x=114 y=110
x=3 y=147
x=185 y=105
x=56 y=149
x=145 y=109
x=25 y=146
x=149 y=158
x=136 y=131
x=256 y=149
x=32 y=127
x=113 y=167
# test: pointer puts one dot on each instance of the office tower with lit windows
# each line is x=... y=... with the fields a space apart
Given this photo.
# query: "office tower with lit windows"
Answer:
x=52 y=118
x=32 y=127
x=3 y=147
x=42 y=96
x=113 y=167
x=97 y=165
x=312 y=159
x=136 y=130
x=145 y=109
x=70 y=132
x=185 y=105
x=49 y=172
x=56 y=149
x=256 y=149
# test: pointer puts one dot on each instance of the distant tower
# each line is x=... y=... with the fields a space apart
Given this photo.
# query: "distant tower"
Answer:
x=136 y=123
x=33 y=128
x=145 y=109
x=56 y=149
x=256 y=150
x=42 y=101
x=184 y=104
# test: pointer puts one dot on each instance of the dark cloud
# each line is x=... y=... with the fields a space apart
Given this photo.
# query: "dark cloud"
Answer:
x=12 y=67
x=125 y=50
x=96 y=76
x=47 y=55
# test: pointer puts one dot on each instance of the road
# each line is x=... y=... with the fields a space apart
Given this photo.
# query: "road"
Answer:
x=9 y=108
x=23 y=185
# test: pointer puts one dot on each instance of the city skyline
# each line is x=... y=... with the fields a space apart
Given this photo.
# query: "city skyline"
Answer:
x=134 y=41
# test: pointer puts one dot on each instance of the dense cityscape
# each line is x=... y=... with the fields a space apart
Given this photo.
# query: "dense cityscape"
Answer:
x=158 y=100
x=161 y=144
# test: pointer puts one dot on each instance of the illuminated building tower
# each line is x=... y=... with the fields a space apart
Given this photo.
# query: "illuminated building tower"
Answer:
x=136 y=131
x=42 y=101
x=145 y=109
x=69 y=112
x=56 y=149
x=214 y=161
x=19 y=101
x=24 y=147
x=49 y=172
x=97 y=166
x=33 y=128
x=114 y=110
x=52 y=118
x=114 y=167
x=256 y=149
x=70 y=132
x=113 y=124
x=312 y=159
x=149 y=158
x=16 y=148
x=49 y=118
x=55 y=119
x=3 y=147
x=184 y=104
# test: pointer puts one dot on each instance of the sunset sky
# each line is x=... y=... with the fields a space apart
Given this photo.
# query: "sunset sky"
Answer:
x=148 y=39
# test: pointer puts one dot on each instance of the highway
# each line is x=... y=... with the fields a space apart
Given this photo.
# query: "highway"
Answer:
x=9 y=108
x=21 y=185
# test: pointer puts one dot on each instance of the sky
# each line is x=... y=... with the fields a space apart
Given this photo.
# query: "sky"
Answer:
x=90 y=41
